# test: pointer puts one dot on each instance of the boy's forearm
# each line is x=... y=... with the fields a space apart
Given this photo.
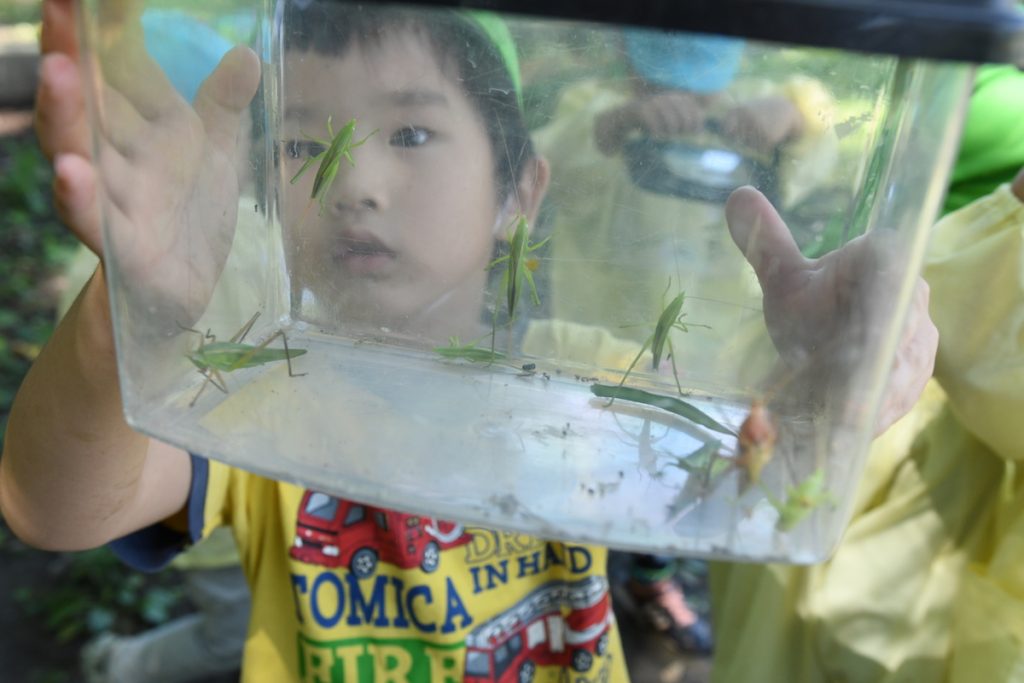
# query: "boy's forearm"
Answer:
x=73 y=472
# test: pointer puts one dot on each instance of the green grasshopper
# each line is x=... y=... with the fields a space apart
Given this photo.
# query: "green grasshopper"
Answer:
x=340 y=145
x=520 y=266
x=470 y=352
x=213 y=357
x=704 y=459
x=671 y=318
x=801 y=500
x=519 y=269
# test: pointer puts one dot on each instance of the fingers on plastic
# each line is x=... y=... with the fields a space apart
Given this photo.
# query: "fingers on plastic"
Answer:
x=762 y=235
x=914 y=363
x=925 y=335
x=226 y=94
x=74 y=194
x=58 y=29
x=60 y=115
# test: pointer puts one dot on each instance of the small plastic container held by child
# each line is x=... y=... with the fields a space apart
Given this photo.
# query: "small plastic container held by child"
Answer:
x=477 y=266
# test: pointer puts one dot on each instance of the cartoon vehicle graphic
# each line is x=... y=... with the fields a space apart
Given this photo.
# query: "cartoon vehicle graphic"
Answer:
x=331 y=532
x=558 y=624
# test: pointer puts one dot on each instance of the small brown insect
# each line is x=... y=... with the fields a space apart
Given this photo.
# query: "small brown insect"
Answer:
x=756 y=438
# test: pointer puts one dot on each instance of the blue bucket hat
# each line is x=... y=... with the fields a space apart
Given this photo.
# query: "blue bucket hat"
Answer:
x=685 y=61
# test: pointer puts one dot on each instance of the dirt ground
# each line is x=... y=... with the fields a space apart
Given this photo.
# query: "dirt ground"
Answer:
x=27 y=651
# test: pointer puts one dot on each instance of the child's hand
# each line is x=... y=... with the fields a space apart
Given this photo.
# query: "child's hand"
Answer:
x=659 y=115
x=822 y=313
x=61 y=125
x=168 y=170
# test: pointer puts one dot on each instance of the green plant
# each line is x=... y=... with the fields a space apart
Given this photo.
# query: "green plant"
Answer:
x=19 y=11
x=33 y=247
x=49 y=676
x=674 y=405
x=94 y=592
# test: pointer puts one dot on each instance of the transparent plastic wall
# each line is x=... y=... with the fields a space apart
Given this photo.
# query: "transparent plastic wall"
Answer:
x=498 y=253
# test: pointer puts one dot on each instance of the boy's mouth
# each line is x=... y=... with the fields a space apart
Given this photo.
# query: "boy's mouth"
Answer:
x=363 y=254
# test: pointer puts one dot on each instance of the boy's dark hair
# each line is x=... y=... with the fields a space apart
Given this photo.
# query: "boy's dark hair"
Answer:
x=458 y=42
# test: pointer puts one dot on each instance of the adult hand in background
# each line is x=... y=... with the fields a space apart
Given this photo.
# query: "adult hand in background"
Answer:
x=661 y=114
x=763 y=124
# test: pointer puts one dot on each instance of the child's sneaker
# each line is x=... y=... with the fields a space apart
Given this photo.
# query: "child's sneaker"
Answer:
x=663 y=604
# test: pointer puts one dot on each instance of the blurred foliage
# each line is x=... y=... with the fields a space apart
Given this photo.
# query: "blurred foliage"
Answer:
x=71 y=596
x=93 y=592
x=18 y=11
x=33 y=247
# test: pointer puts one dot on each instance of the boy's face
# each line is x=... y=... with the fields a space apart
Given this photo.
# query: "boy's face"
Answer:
x=407 y=232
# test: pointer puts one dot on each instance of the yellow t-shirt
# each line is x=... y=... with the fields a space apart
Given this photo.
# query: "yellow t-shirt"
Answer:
x=348 y=592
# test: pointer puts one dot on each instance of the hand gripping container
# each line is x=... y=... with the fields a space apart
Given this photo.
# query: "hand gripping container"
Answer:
x=495 y=246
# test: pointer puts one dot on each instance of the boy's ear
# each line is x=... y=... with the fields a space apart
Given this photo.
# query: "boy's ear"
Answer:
x=533 y=185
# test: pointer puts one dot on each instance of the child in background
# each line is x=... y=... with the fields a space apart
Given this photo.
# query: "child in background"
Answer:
x=680 y=87
x=927 y=584
x=434 y=90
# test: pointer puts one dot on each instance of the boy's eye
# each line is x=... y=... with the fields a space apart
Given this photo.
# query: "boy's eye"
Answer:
x=410 y=136
x=302 y=149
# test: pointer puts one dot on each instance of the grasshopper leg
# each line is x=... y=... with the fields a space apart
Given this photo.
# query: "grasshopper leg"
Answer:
x=675 y=371
x=244 y=330
x=632 y=365
x=288 y=356
x=213 y=377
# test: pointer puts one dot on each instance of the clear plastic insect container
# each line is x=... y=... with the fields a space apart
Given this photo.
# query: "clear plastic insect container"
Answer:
x=479 y=266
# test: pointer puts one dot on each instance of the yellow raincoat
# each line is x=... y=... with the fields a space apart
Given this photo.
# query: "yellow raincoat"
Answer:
x=928 y=582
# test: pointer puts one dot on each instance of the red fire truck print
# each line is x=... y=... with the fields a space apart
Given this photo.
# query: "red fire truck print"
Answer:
x=331 y=532
x=559 y=624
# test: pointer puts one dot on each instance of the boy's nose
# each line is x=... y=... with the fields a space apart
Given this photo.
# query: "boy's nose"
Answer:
x=362 y=187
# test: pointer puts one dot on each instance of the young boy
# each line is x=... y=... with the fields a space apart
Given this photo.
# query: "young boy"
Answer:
x=74 y=475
